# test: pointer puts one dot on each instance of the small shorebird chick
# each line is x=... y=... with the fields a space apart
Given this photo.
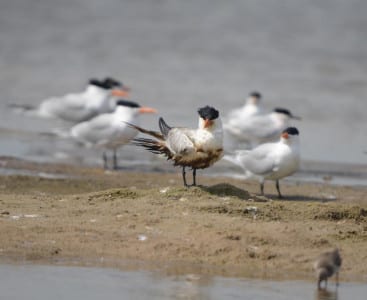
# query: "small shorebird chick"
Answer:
x=196 y=148
x=327 y=265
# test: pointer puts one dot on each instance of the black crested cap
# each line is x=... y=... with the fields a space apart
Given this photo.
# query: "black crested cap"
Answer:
x=208 y=113
x=127 y=103
x=255 y=94
x=112 y=82
x=282 y=111
x=99 y=83
x=291 y=131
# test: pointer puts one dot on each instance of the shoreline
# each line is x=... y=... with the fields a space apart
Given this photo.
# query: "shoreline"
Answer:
x=148 y=219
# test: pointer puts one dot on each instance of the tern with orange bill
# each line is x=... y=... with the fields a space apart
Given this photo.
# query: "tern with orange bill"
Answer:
x=251 y=108
x=270 y=161
x=194 y=148
x=110 y=130
x=97 y=98
x=260 y=128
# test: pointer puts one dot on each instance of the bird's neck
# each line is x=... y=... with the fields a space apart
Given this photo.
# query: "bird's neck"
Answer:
x=291 y=143
x=279 y=119
x=124 y=113
x=251 y=108
x=96 y=96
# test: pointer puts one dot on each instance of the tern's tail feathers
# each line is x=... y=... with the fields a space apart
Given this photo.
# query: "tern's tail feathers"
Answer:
x=231 y=158
x=235 y=157
x=154 y=146
x=21 y=108
x=149 y=132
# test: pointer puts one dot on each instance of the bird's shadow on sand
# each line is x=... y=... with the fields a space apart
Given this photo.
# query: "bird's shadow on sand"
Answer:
x=227 y=190
x=300 y=198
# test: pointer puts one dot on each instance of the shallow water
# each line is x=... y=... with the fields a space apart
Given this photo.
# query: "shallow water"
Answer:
x=308 y=56
x=59 y=282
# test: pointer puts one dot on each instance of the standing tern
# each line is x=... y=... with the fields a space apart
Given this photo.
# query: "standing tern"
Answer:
x=79 y=107
x=272 y=161
x=238 y=116
x=110 y=130
x=261 y=128
x=196 y=148
x=327 y=265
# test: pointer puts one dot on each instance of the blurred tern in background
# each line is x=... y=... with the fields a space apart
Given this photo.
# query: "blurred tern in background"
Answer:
x=272 y=161
x=79 y=107
x=196 y=148
x=261 y=128
x=238 y=116
x=110 y=131
x=327 y=265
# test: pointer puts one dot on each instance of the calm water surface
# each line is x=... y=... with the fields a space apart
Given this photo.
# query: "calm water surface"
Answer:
x=56 y=282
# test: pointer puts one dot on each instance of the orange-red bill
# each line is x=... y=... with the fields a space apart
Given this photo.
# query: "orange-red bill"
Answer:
x=285 y=135
x=207 y=123
x=120 y=93
x=147 y=110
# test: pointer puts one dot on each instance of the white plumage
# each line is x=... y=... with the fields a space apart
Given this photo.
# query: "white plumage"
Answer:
x=79 y=107
x=260 y=128
x=110 y=130
x=270 y=161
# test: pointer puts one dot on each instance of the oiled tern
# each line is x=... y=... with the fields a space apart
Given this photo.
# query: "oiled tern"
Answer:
x=196 y=148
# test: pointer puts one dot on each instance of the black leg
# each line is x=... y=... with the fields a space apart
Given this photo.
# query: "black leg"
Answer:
x=194 y=177
x=114 y=159
x=105 y=165
x=278 y=189
x=184 y=176
x=262 y=188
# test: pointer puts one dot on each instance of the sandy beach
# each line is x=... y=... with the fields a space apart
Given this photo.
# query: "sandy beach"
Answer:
x=125 y=219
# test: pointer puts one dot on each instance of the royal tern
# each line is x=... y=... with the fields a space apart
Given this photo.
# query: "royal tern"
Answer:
x=327 y=265
x=110 y=130
x=112 y=82
x=196 y=148
x=261 y=128
x=79 y=107
x=238 y=116
x=272 y=161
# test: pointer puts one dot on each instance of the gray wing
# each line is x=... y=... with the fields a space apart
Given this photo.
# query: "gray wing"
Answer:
x=71 y=108
x=259 y=127
x=179 y=142
x=259 y=160
x=94 y=131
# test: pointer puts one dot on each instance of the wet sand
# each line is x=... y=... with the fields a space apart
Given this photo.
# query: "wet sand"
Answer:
x=222 y=227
